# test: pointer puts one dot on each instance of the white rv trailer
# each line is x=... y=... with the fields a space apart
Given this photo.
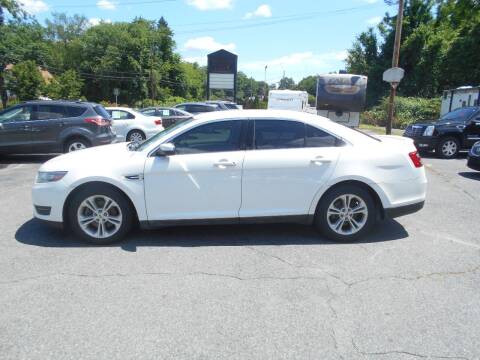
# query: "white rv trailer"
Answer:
x=460 y=97
x=288 y=100
x=341 y=97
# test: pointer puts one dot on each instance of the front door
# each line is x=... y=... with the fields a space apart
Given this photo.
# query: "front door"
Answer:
x=202 y=180
x=15 y=130
x=472 y=130
x=287 y=166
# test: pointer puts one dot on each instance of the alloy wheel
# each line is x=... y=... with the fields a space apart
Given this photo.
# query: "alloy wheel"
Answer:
x=135 y=137
x=347 y=214
x=449 y=148
x=75 y=146
x=99 y=216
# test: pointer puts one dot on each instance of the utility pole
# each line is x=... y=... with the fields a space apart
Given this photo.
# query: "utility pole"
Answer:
x=396 y=55
x=266 y=86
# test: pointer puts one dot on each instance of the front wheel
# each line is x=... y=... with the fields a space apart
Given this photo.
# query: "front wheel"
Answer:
x=100 y=215
x=448 y=148
x=346 y=213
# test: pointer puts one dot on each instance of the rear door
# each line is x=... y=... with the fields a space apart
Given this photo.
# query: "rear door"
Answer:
x=288 y=163
x=48 y=121
x=122 y=120
x=15 y=130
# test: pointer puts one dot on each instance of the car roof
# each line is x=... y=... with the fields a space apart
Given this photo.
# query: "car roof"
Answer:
x=58 y=102
x=196 y=103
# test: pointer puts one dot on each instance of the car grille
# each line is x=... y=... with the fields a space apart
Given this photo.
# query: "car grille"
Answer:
x=414 y=131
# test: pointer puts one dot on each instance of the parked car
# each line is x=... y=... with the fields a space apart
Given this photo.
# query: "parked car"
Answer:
x=131 y=125
x=169 y=116
x=235 y=166
x=53 y=126
x=224 y=105
x=458 y=130
x=473 y=161
x=198 y=107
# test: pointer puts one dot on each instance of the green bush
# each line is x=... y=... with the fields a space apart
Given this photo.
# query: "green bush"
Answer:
x=408 y=110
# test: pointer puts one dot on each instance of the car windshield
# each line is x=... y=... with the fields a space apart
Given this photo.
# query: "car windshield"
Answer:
x=462 y=114
x=231 y=106
x=143 y=145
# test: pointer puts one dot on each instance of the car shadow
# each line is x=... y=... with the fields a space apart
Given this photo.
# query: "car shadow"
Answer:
x=37 y=233
x=431 y=155
x=472 y=175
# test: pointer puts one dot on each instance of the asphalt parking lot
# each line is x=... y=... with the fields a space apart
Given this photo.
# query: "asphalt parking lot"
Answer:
x=410 y=290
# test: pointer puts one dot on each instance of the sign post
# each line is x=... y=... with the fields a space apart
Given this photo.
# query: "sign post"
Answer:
x=393 y=76
x=116 y=92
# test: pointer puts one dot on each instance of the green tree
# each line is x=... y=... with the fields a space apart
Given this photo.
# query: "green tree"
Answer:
x=286 y=83
x=66 y=86
x=25 y=80
x=308 y=84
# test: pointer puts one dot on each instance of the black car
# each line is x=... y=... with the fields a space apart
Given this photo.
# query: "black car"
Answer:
x=169 y=116
x=455 y=131
x=224 y=105
x=198 y=107
x=53 y=126
x=473 y=161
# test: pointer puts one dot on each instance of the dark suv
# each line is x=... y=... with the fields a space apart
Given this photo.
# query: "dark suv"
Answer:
x=53 y=126
x=455 y=131
x=198 y=107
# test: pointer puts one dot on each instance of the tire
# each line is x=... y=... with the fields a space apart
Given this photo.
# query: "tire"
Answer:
x=75 y=145
x=448 y=148
x=106 y=226
x=331 y=213
x=136 y=136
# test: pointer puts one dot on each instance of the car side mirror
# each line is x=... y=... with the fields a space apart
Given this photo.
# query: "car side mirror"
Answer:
x=165 y=150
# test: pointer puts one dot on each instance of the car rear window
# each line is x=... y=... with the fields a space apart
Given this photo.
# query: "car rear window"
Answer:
x=100 y=110
x=75 y=111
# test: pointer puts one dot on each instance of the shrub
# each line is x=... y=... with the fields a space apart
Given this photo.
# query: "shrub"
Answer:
x=407 y=111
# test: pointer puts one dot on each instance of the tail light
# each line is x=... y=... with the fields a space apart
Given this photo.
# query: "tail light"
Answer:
x=158 y=122
x=99 y=121
x=416 y=159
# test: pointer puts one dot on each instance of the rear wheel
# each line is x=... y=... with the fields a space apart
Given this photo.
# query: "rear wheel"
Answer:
x=100 y=215
x=75 y=145
x=448 y=148
x=136 y=136
x=346 y=213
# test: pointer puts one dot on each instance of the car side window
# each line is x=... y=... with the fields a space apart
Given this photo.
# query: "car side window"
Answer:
x=319 y=138
x=47 y=112
x=214 y=137
x=22 y=113
x=121 y=115
x=74 y=111
x=181 y=107
x=149 y=112
x=279 y=134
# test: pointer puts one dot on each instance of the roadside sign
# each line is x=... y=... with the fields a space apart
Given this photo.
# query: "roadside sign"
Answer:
x=116 y=91
x=393 y=75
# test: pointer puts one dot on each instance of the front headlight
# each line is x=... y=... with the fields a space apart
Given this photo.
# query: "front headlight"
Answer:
x=50 y=176
x=429 y=130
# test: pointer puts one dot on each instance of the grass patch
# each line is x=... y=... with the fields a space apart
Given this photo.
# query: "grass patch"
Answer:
x=380 y=130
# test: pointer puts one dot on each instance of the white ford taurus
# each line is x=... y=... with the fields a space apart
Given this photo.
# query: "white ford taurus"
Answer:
x=230 y=167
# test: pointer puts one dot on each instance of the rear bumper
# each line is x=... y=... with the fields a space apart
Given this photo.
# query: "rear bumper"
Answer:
x=473 y=162
x=404 y=210
x=103 y=139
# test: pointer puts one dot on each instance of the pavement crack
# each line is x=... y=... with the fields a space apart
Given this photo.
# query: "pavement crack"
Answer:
x=403 y=352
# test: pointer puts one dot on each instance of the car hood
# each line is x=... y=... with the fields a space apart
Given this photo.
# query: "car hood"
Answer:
x=95 y=159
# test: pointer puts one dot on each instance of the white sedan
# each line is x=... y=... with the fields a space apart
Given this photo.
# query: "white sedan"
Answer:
x=235 y=166
x=131 y=125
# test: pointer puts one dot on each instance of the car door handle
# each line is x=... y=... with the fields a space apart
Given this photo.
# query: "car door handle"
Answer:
x=224 y=164
x=320 y=160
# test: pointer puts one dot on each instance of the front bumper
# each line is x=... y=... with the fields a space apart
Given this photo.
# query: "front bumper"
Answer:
x=425 y=143
x=48 y=200
x=404 y=210
x=473 y=162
